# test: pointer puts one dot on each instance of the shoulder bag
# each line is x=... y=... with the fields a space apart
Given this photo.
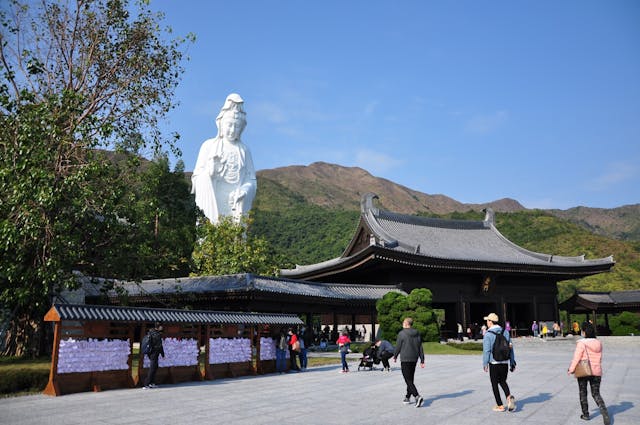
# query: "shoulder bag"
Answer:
x=583 y=368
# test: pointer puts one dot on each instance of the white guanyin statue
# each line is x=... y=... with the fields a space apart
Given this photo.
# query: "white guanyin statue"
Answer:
x=224 y=179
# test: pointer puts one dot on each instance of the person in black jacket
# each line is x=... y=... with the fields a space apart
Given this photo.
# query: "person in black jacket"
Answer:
x=155 y=342
x=385 y=352
x=409 y=343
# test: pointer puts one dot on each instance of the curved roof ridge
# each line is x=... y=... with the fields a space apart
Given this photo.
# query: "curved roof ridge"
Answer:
x=330 y=262
x=548 y=257
x=431 y=221
x=456 y=239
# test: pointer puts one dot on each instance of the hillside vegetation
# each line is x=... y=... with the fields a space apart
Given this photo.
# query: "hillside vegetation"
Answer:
x=621 y=223
x=337 y=187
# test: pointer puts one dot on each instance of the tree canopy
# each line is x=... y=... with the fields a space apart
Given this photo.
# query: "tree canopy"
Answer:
x=394 y=307
x=74 y=77
x=225 y=248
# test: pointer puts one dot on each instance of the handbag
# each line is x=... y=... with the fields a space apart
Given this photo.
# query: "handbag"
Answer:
x=583 y=368
x=296 y=346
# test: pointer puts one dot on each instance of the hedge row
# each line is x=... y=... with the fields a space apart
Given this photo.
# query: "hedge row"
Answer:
x=23 y=379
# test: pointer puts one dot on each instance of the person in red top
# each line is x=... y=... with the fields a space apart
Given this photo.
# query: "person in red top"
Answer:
x=344 y=344
x=294 y=349
x=589 y=348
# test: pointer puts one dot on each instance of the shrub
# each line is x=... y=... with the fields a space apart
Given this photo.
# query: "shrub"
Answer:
x=470 y=346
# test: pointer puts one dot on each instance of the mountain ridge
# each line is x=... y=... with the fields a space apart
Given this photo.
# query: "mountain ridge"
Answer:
x=323 y=184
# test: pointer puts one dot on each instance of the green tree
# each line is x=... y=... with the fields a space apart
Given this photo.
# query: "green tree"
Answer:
x=625 y=323
x=225 y=248
x=75 y=77
x=394 y=307
x=391 y=308
x=156 y=233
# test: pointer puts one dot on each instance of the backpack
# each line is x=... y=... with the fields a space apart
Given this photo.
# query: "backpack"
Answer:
x=145 y=345
x=501 y=349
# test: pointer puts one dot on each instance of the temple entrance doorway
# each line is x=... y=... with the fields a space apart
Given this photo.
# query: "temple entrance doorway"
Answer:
x=520 y=316
x=479 y=310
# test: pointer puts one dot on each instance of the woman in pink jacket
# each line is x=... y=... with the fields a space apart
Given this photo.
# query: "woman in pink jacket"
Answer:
x=590 y=348
x=344 y=344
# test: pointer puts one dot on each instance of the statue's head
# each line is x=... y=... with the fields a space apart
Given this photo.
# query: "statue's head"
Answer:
x=233 y=101
x=231 y=125
x=233 y=109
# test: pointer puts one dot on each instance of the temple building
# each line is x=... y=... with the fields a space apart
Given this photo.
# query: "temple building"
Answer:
x=469 y=266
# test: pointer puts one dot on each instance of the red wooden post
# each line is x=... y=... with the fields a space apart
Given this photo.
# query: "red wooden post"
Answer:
x=52 y=387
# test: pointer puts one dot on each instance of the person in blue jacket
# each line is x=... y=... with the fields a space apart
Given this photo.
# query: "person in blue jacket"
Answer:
x=498 y=369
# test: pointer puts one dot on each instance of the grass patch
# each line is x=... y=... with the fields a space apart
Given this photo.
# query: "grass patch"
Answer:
x=465 y=348
x=322 y=361
x=20 y=376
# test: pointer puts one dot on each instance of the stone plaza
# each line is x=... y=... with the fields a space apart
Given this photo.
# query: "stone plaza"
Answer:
x=454 y=387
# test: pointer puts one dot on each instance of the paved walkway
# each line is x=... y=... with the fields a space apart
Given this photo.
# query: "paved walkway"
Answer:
x=455 y=389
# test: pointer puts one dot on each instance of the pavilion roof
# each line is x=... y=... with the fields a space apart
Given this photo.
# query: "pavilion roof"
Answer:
x=427 y=240
x=604 y=302
x=240 y=284
x=140 y=314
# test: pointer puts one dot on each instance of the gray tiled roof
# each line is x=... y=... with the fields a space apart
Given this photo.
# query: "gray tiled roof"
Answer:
x=463 y=240
x=625 y=297
x=139 y=314
x=436 y=241
x=615 y=297
x=599 y=298
x=240 y=283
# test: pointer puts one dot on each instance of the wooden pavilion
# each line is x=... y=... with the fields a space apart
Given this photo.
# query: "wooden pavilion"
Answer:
x=594 y=303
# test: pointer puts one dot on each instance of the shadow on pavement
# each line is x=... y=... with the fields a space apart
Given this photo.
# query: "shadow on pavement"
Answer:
x=428 y=401
x=540 y=398
x=617 y=408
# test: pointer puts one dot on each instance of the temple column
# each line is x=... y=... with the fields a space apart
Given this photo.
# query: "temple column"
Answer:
x=373 y=326
x=353 y=328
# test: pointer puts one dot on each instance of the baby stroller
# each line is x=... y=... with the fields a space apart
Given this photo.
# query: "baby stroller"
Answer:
x=369 y=357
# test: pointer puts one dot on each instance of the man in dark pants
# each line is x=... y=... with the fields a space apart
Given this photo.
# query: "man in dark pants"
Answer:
x=385 y=352
x=155 y=342
x=409 y=343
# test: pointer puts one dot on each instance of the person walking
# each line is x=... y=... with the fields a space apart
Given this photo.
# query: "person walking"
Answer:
x=589 y=348
x=305 y=341
x=344 y=346
x=294 y=349
x=156 y=349
x=409 y=343
x=281 y=352
x=575 y=328
x=498 y=368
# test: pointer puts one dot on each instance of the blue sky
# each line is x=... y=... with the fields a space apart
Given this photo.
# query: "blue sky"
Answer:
x=477 y=100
